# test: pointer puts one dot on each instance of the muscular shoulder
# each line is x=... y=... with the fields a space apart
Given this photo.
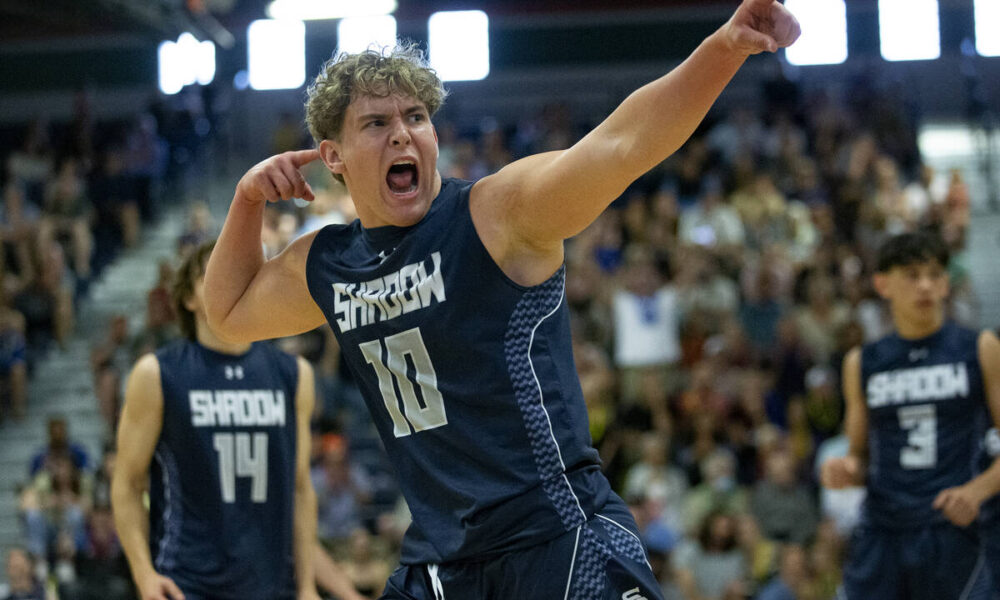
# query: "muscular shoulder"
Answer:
x=146 y=370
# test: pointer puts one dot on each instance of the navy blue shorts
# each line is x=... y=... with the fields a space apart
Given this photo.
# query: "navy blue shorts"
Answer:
x=990 y=534
x=602 y=559
x=940 y=562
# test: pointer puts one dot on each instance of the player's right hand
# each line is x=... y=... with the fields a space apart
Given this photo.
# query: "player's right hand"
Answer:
x=158 y=587
x=277 y=178
x=841 y=472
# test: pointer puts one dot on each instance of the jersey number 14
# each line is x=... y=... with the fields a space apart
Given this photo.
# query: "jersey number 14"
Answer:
x=242 y=455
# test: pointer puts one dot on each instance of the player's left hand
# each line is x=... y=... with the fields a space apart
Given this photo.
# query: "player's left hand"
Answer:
x=761 y=26
x=960 y=505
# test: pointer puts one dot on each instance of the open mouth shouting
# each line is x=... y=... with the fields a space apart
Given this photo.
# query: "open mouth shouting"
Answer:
x=403 y=177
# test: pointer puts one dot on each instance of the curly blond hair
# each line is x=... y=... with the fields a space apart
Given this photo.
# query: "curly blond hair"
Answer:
x=373 y=72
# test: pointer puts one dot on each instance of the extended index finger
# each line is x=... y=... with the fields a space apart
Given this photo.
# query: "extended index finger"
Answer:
x=303 y=157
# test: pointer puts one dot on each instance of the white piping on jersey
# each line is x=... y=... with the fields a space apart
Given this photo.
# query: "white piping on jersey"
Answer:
x=541 y=397
x=167 y=511
x=972 y=578
x=436 y=585
x=572 y=561
x=628 y=531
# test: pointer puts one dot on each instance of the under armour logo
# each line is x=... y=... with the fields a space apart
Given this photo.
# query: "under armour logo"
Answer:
x=234 y=372
x=918 y=354
x=633 y=594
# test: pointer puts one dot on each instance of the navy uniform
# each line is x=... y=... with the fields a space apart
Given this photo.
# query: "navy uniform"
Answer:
x=926 y=417
x=471 y=383
x=989 y=514
x=222 y=479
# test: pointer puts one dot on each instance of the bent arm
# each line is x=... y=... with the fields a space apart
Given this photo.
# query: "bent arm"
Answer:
x=305 y=497
x=856 y=420
x=249 y=299
x=138 y=434
x=987 y=484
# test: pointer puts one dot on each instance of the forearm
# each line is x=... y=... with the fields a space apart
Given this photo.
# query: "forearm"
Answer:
x=305 y=536
x=236 y=259
x=332 y=579
x=987 y=484
x=132 y=524
x=655 y=120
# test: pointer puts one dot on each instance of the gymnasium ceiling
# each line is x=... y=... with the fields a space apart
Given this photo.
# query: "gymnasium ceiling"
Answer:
x=46 y=20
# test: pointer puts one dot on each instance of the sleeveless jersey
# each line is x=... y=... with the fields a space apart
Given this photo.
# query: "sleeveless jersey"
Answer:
x=223 y=476
x=926 y=419
x=469 y=378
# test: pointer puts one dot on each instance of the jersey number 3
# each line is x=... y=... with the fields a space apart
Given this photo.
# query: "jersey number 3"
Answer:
x=921 y=449
x=400 y=357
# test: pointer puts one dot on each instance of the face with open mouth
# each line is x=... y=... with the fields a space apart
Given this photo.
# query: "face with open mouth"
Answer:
x=387 y=153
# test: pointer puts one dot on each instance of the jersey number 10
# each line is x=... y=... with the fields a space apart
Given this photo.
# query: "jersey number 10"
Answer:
x=242 y=455
x=391 y=361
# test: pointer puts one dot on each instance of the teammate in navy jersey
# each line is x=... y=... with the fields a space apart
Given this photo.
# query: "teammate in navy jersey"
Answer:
x=447 y=300
x=919 y=402
x=989 y=515
x=220 y=433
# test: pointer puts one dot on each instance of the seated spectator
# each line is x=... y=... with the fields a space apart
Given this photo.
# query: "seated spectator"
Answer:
x=793 y=581
x=199 y=229
x=713 y=564
x=115 y=206
x=21 y=581
x=19 y=226
x=99 y=567
x=59 y=445
x=13 y=361
x=760 y=553
x=655 y=479
x=342 y=490
x=717 y=493
x=109 y=361
x=30 y=166
x=161 y=323
x=47 y=302
x=822 y=316
x=55 y=504
x=67 y=216
x=784 y=507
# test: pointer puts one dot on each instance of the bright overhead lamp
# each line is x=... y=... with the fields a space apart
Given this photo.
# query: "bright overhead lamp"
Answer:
x=305 y=10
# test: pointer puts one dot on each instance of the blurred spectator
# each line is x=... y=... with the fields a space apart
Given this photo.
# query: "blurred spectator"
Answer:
x=21 y=581
x=161 y=324
x=717 y=493
x=646 y=323
x=13 y=361
x=54 y=504
x=759 y=552
x=59 y=445
x=113 y=196
x=110 y=359
x=660 y=483
x=793 y=581
x=30 y=165
x=711 y=223
x=67 y=217
x=47 y=302
x=820 y=319
x=99 y=567
x=713 y=564
x=342 y=489
x=199 y=229
x=784 y=507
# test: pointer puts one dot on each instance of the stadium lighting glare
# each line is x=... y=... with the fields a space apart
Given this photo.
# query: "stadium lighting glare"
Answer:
x=304 y=10
x=909 y=29
x=988 y=27
x=824 y=32
x=276 y=54
x=357 y=34
x=185 y=62
x=459 y=44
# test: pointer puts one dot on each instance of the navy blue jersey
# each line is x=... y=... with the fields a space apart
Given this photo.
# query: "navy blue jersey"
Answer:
x=469 y=378
x=222 y=481
x=927 y=415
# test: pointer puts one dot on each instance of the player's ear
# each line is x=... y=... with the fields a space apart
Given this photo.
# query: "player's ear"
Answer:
x=329 y=152
x=881 y=283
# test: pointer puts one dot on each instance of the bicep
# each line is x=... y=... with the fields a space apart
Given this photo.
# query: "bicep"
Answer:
x=277 y=303
x=856 y=420
x=141 y=421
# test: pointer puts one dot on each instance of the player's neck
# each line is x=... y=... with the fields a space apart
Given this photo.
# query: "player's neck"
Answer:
x=909 y=329
x=207 y=339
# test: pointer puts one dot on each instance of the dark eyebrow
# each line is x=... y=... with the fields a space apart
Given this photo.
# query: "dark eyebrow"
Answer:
x=373 y=117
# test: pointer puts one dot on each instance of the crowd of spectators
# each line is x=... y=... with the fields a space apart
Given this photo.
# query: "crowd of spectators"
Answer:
x=711 y=307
